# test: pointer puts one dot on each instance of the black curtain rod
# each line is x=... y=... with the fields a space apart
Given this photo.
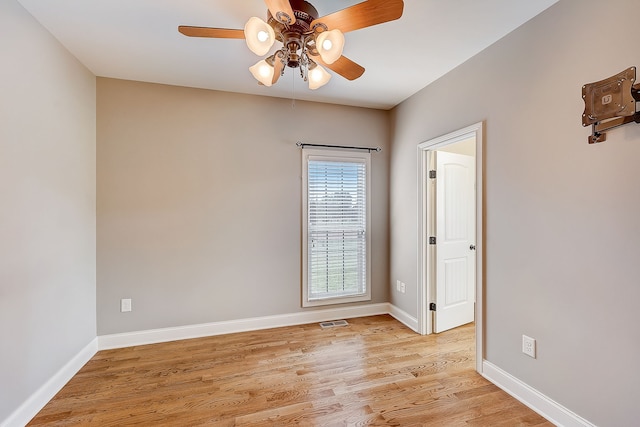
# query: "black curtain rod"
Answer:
x=344 y=147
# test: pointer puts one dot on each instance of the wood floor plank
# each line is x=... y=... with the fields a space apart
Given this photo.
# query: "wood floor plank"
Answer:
x=374 y=372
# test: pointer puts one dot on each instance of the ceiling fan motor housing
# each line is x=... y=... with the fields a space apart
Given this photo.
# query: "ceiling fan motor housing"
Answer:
x=304 y=13
x=293 y=37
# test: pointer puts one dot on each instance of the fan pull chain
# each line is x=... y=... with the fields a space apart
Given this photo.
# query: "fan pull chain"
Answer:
x=293 y=84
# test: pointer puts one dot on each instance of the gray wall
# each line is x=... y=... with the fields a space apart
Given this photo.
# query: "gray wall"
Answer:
x=47 y=213
x=562 y=228
x=199 y=202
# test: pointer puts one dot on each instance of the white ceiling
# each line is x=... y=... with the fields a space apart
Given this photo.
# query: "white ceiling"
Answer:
x=139 y=40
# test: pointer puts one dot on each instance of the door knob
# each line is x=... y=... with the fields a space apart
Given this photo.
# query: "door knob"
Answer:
x=472 y=247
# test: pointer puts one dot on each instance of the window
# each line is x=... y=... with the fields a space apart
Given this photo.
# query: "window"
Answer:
x=335 y=227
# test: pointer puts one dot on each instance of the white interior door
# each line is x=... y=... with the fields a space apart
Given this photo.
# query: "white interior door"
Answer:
x=455 y=240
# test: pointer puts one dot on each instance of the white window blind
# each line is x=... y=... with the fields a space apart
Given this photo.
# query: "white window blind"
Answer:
x=336 y=228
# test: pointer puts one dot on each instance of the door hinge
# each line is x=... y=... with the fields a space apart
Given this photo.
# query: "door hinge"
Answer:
x=432 y=174
x=432 y=306
x=432 y=240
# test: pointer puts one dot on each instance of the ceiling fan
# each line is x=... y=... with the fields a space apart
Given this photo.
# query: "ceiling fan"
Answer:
x=308 y=42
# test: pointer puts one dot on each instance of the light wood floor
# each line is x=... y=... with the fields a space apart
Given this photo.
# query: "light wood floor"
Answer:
x=374 y=372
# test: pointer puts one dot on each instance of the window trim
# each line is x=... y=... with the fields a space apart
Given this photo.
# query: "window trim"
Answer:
x=334 y=155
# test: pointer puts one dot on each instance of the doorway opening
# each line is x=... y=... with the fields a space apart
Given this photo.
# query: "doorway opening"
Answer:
x=451 y=240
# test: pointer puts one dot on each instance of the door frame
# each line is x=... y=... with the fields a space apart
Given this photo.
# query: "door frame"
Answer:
x=424 y=296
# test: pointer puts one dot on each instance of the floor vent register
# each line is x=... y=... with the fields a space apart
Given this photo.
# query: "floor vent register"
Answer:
x=333 y=324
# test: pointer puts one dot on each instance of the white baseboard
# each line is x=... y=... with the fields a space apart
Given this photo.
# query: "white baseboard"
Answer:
x=543 y=405
x=153 y=336
x=30 y=407
x=404 y=317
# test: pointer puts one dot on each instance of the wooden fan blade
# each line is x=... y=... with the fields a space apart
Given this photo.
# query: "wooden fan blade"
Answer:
x=283 y=6
x=218 y=33
x=362 y=15
x=343 y=66
x=278 y=66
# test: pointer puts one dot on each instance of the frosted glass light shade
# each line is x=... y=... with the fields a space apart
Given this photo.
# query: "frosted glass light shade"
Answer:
x=318 y=77
x=330 y=45
x=259 y=36
x=263 y=72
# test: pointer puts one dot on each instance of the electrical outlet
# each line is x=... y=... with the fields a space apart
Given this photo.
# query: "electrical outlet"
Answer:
x=125 y=305
x=529 y=346
x=403 y=287
x=398 y=285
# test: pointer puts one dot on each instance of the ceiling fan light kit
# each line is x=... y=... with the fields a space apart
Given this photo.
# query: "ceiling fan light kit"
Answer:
x=263 y=72
x=307 y=40
x=259 y=36
x=330 y=45
x=318 y=77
